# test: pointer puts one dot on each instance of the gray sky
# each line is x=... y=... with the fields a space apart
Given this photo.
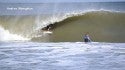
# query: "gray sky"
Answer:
x=47 y=1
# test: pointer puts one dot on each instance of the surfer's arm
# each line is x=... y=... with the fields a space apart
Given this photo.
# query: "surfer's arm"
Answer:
x=90 y=40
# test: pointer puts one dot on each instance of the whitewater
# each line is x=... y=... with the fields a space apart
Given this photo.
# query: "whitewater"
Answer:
x=62 y=56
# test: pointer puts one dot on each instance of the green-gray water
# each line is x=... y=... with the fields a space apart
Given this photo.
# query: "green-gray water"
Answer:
x=103 y=26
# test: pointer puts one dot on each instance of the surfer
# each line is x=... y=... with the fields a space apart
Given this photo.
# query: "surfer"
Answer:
x=87 y=38
x=48 y=28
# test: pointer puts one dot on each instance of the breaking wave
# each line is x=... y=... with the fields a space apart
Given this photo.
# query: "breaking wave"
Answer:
x=5 y=35
x=23 y=27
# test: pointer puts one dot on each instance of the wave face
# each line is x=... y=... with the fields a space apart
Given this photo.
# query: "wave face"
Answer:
x=103 y=26
x=24 y=21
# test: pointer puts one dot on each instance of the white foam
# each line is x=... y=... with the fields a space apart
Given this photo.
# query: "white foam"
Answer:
x=64 y=54
x=47 y=32
x=5 y=35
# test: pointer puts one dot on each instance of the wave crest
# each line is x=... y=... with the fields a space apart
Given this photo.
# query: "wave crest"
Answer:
x=62 y=17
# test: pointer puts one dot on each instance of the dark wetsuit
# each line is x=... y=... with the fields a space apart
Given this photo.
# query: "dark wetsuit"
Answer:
x=87 y=39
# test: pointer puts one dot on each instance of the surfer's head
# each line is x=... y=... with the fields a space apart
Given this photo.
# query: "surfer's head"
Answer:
x=49 y=27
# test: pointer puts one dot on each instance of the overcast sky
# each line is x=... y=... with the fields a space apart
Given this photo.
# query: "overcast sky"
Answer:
x=47 y=1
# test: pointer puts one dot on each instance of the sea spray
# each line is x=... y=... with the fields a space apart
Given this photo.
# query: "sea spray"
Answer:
x=5 y=35
x=52 y=19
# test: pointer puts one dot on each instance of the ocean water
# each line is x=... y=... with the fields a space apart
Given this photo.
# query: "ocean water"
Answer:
x=62 y=56
x=74 y=19
x=24 y=45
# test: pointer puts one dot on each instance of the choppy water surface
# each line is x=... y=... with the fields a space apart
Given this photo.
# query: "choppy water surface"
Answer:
x=62 y=56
